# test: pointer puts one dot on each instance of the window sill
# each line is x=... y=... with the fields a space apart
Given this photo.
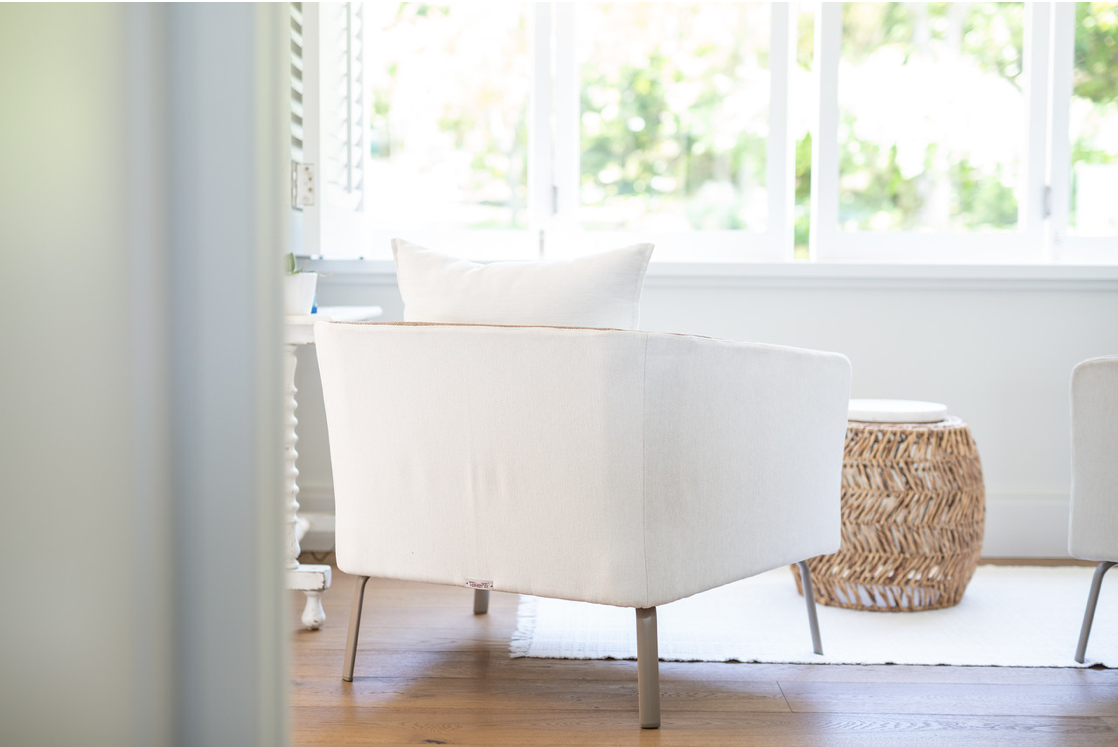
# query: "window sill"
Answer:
x=807 y=274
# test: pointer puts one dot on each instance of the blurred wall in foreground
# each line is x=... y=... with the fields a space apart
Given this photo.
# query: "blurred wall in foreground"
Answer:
x=141 y=218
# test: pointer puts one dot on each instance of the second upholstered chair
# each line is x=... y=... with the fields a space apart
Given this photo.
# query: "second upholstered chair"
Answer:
x=617 y=467
x=1093 y=531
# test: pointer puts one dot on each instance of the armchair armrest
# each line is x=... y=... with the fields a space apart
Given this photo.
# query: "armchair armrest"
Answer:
x=743 y=459
x=1093 y=526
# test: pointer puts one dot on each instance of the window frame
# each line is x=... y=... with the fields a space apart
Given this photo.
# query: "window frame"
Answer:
x=553 y=202
x=553 y=166
x=502 y=243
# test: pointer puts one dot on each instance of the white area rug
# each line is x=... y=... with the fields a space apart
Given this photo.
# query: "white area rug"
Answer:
x=1010 y=616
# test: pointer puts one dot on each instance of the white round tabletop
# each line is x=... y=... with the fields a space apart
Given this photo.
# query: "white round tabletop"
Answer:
x=896 y=411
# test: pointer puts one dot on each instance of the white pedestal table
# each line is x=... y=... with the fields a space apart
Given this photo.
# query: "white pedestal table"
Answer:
x=312 y=580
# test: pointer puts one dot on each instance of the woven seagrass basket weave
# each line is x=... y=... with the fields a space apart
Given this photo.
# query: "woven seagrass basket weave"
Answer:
x=913 y=512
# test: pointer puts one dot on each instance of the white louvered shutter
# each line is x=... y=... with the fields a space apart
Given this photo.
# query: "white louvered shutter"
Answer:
x=333 y=123
x=297 y=82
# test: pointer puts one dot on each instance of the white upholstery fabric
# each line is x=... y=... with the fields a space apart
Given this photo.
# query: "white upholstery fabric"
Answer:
x=1093 y=532
x=609 y=466
x=603 y=290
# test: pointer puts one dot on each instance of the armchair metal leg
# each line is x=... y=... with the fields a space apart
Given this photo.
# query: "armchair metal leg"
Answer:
x=809 y=598
x=481 y=601
x=354 y=628
x=1089 y=613
x=648 y=669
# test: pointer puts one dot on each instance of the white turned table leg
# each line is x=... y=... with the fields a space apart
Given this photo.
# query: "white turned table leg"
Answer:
x=290 y=472
x=312 y=580
x=313 y=614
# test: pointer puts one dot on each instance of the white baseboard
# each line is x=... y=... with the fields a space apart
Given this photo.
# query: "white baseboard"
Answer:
x=1026 y=525
x=316 y=498
x=320 y=532
x=1018 y=525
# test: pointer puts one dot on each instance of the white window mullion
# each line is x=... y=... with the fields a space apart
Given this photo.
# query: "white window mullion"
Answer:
x=1031 y=198
x=566 y=120
x=1062 y=41
x=781 y=158
x=541 y=179
x=824 y=138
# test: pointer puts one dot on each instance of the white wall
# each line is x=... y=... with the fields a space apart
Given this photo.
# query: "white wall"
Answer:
x=999 y=353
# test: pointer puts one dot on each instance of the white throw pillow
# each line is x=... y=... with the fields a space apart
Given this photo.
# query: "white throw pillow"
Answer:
x=603 y=290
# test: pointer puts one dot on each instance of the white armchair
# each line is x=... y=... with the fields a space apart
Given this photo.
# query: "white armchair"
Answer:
x=618 y=467
x=1093 y=529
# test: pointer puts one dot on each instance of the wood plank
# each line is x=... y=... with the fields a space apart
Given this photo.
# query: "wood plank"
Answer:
x=549 y=727
x=416 y=595
x=407 y=664
x=529 y=695
x=377 y=624
x=415 y=638
x=1046 y=562
x=960 y=699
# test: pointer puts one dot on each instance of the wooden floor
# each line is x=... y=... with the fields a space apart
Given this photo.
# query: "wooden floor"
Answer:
x=430 y=672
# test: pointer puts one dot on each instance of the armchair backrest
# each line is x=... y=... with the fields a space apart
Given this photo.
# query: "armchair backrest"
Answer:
x=621 y=467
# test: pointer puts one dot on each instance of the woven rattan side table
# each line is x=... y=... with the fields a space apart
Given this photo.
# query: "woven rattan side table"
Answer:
x=913 y=512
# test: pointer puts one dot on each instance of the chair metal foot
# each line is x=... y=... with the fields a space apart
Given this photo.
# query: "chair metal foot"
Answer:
x=1089 y=613
x=481 y=601
x=354 y=628
x=809 y=598
x=648 y=669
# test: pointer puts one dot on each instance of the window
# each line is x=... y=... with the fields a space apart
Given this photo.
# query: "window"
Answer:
x=929 y=144
x=944 y=150
x=449 y=89
x=937 y=132
x=670 y=128
x=328 y=125
x=1084 y=146
x=674 y=116
x=1093 y=122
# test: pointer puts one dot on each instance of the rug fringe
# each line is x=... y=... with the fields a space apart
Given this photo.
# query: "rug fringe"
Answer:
x=525 y=628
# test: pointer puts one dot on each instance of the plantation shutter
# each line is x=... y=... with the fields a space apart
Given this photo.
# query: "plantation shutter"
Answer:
x=333 y=124
x=297 y=82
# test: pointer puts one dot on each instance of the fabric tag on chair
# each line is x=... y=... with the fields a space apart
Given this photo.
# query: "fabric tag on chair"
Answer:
x=474 y=583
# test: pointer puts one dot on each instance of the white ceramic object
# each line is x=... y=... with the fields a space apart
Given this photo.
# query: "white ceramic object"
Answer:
x=298 y=293
x=896 y=411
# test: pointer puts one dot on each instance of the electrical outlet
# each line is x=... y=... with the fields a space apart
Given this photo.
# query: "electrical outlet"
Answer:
x=302 y=185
